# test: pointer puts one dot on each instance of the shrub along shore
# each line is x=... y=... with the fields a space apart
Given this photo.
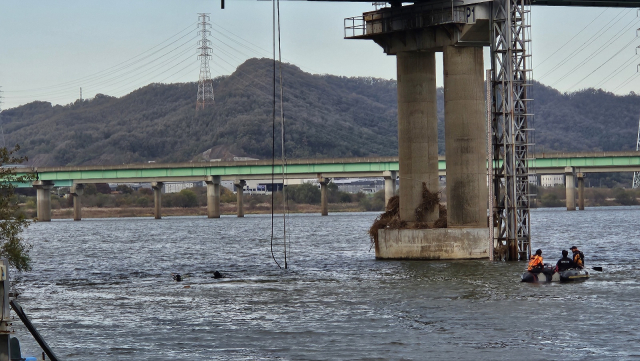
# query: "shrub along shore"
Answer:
x=100 y=201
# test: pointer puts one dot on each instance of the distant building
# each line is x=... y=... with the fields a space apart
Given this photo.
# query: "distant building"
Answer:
x=359 y=185
x=551 y=180
x=175 y=187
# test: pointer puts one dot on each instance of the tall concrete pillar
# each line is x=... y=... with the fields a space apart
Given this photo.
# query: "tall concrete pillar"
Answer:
x=157 y=199
x=417 y=131
x=239 y=192
x=213 y=197
x=570 y=188
x=580 y=176
x=43 y=200
x=389 y=185
x=465 y=137
x=324 y=208
x=75 y=192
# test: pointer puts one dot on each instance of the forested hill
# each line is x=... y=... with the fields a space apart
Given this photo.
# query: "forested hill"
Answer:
x=326 y=116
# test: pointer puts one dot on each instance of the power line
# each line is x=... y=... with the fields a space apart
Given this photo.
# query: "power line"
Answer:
x=582 y=47
x=598 y=51
x=603 y=64
x=117 y=65
x=578 y=33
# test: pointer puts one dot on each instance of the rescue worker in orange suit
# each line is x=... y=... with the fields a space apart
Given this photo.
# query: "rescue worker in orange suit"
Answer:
x=578 y=257
x=536 y=263
x=565 y=262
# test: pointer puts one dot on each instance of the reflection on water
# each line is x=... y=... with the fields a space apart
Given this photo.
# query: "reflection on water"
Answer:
x=102 y=289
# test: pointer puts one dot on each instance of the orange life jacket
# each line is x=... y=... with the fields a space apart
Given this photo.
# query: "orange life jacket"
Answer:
x=578 y=258
x=536 y=262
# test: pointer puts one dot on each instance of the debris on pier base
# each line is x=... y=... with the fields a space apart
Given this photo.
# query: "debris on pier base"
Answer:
x=390 y=219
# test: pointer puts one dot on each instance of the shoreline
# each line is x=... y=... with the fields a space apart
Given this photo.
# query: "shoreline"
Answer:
x=225 y=209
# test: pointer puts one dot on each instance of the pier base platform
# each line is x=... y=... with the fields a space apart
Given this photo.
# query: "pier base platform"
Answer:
x=437 y=243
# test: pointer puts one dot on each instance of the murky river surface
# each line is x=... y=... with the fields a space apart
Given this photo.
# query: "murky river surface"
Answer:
x=101 y=289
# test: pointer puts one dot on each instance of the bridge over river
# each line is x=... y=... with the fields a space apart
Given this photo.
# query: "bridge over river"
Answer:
x=570 y=164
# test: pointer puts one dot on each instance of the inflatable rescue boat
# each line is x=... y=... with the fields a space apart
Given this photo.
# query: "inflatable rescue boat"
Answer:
x=548 y=274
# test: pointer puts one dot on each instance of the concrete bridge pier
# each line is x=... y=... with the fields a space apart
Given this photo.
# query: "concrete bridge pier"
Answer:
x=389 y=185
x=75 y=192
x=213 y=196
x=417 y=131
x=324 y=208
x=465 y=137
x=157 y=199
x=43 y=200
x=570 y=188
x=414 y=33
x=239 y=183
x=580 y=176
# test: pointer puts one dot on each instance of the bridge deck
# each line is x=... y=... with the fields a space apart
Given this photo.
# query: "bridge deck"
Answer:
x=550 y=163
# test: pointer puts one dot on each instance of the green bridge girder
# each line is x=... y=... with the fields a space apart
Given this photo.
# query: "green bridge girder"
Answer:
x=307 y=168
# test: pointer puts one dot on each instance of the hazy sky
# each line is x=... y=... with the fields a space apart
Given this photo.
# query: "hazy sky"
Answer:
x=49 y=49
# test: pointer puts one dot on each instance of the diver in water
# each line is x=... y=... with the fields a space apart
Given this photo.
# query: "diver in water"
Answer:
x=578 y=257
x=565 y=262
x=536 y=263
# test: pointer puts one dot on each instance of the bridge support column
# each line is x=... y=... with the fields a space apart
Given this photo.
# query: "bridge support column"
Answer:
x=465 y=137
x=580 y=176
x=389 y=185
x=240 y=193
x=213 y=196
x=157 y=199
x=75 y=192
x=324 y=208
x=570 y=188
x=417 y=131
x=43 y=200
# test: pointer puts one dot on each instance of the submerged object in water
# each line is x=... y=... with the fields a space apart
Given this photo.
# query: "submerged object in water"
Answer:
x=549 y=275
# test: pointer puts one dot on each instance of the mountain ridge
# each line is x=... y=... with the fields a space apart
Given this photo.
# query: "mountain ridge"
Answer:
x=326 y=116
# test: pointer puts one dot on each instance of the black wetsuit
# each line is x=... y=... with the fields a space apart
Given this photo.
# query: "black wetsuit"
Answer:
x=564 y=264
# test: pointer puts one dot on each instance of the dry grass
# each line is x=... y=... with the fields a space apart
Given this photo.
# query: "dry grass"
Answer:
x=427 y=205
x=390 y=219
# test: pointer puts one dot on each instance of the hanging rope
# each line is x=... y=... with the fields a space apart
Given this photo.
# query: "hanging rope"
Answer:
x=284 y=158
x=273 y=136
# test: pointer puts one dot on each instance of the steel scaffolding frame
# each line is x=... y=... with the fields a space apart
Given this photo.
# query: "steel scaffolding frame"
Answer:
x=636 y=175
x=510 y=127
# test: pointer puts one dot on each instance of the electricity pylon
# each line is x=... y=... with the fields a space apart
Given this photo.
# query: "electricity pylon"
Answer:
x=205 y=84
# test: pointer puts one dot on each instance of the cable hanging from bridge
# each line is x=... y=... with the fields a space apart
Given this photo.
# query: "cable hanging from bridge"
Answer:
x=277 y=80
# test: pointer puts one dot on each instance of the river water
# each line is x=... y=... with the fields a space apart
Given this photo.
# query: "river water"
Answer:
x=102 y=289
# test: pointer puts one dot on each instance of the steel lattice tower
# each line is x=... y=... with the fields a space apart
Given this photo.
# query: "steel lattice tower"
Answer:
x=510 y=130
x=636 y=175
x=205 y=84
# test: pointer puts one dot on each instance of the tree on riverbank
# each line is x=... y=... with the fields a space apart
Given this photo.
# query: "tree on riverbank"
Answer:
x=12 y=221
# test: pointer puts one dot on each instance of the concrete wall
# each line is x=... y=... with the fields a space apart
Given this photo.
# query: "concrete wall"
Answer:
x=441 y=243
